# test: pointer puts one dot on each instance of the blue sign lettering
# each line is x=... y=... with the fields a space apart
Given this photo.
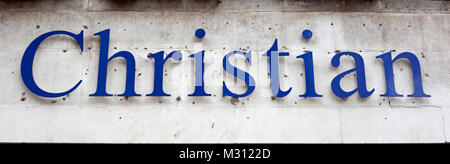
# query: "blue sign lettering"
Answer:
x=273 y=55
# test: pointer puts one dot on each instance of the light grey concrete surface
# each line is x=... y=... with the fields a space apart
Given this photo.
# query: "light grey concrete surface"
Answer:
x=369 y=28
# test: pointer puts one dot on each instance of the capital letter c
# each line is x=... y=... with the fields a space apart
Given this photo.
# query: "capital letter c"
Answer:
x=26 y=67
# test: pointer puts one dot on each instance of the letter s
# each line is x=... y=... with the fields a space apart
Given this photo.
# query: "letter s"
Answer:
x=240 y=74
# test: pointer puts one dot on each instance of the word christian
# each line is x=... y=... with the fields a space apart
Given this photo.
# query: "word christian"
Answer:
x=273 y=55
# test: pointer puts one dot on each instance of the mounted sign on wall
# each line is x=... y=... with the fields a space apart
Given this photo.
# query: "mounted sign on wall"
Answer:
x=273 y=55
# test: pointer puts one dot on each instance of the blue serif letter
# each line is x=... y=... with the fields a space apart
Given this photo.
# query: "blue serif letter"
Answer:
x=273 y=55
x=360 y=77
x=389 y=74
x=103 y=67
x=309 y=75
x=26 y=67
x=159 y=70
x=199 y=71
x=240 y=74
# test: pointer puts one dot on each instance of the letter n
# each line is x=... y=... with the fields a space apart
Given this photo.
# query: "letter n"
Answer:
x=389 y=74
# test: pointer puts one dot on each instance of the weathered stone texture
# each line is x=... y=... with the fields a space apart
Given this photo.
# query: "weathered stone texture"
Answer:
x=369 y=28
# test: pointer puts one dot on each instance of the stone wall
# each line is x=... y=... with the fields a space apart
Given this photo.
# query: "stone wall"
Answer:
x=369 y=28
